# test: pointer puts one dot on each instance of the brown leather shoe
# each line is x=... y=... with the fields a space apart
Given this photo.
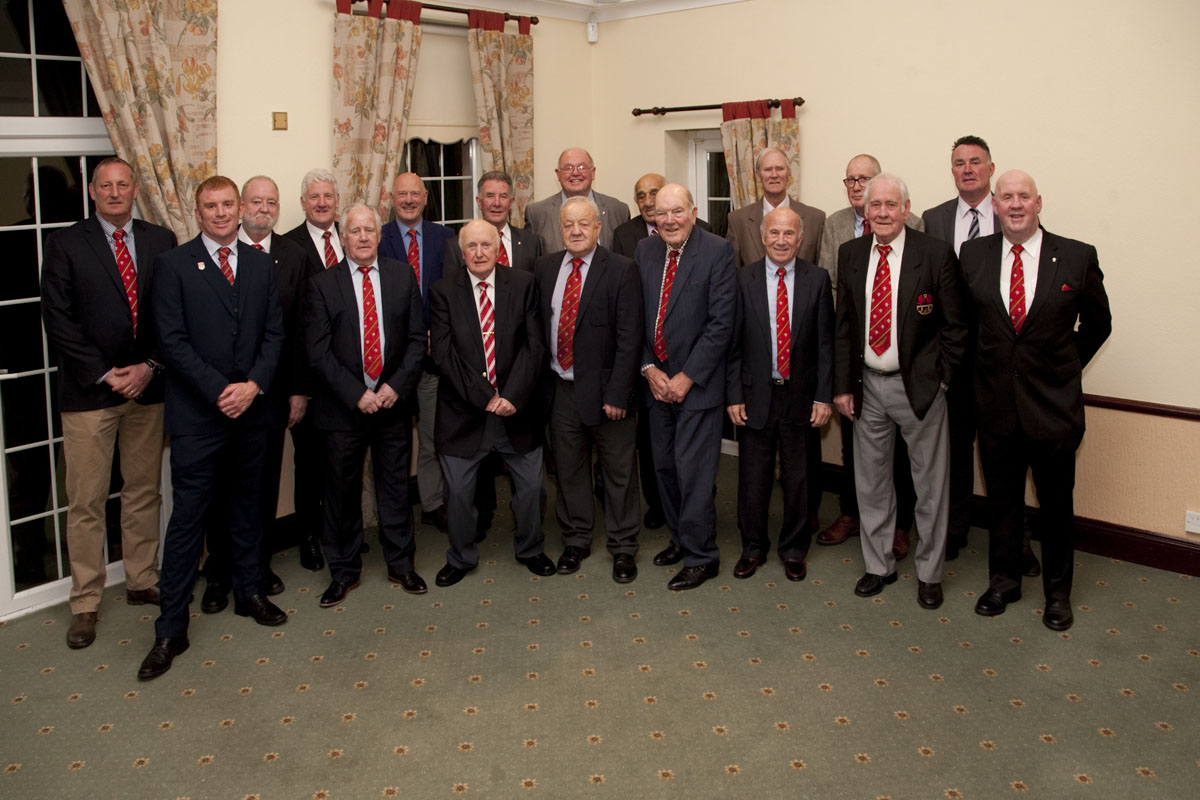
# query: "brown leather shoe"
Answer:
x=139 y=597
x=842 y=529
x=82 y=631
x=900 y=545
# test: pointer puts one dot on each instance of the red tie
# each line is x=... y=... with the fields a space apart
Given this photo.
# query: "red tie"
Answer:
x=866 y=227
x=881 y=304
x=660 y=344
x=487 y=326
x=372 y=356
x=414 y=255
x=1016 y=290
x=223 y=259
x=258 y=247
x=502 y=259
x=330 y=256
x=783 y=328
x=128 y=274
x=567 y=314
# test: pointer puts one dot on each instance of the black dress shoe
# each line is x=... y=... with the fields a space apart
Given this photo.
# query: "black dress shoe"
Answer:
x=139 y=597
x=449 y=575
x=672 y=554
x=538 y=565
x=311 y=557
x=336 y=593
x=437 y=518
x=624 y=568
x=992 y=603
x=654 y=519
x=216 y=597
x=691 y=577
x=746 y=566
x=270 y=584
x=929 y=595
x=1058 y=616
x=260 y=609
x=1032 y=567
x=159 y=659
x=82 y=631
x=409 y=581
x=794 y=569
x=570 y=559
x=870 y=584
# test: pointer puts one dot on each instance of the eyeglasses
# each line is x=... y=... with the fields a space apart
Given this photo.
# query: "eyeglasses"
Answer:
x=569 y=168
x=861 y=180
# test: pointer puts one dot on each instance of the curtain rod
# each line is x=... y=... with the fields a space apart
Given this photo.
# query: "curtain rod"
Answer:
x=660 y=110
x=507 y=16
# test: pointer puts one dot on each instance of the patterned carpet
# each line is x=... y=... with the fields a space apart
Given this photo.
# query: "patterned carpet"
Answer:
x=508 y=685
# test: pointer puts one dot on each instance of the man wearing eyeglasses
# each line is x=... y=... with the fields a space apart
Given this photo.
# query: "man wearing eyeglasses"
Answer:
x=575 y=172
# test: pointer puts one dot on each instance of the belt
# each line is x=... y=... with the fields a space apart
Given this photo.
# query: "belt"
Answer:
x=780 y=381
x=881 y=373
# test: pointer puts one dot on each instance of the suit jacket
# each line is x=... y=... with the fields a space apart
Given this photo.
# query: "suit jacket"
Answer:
x=939 y=220
x=839 y=229
x=607 y=352
x=457 y=348
x=627 y=236
x=750 y=361
x=525 y=251
x=299 y=235
x=334 y=343
x=212 y=334
x=87 y=314
x=931 y=343
x=698 y=324
x=1033 y=379
x=292 y=271
x=433 y=247
x=743 y=231
x=542 y=219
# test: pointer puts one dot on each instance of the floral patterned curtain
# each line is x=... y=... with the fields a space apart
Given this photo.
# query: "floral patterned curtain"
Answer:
x=153 y=67
x=746 y=130
x=502 y=73
x=374 y=63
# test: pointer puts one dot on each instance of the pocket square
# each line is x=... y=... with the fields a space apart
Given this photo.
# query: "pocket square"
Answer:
x=1066 y=288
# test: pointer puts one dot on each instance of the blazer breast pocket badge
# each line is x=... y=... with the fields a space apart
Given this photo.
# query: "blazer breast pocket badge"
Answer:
x=924 y=304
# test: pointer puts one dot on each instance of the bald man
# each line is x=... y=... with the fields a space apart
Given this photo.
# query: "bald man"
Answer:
x=575 y=173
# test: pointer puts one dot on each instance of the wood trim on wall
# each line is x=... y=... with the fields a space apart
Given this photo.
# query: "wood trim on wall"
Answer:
x=1142 y=407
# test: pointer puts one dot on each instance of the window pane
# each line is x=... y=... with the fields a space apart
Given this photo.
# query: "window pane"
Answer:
x=16 y=87
x=718 y=177
x=60 y=88
x=16 y=207
x=24 y=411
x=21 y=278
x=456 y=159
x=424 y=158
x=457 y=199
x=718 y=216
x=33 y=553
x=23 y=351
x=52 y=30
x=14 y=27
x=28 y=482
x=59 y=190
x=93 y=107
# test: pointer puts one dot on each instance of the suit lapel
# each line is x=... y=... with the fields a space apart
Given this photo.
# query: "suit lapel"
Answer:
x=469 y=312
x=910 y=278
x=210 y=274
x=99 y=243
x=683 y=270
x=991 y=281
x=759 y=308
x=594 y=277
x=1047 y=278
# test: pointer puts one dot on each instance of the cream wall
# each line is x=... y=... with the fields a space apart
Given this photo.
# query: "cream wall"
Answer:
x=1095 y=99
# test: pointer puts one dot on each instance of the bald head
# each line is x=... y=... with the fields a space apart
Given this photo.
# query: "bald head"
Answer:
x=480 y=244
x=782 y=231
x=1017 y=205
x=408 y=198
x=644 y=192
x=575 y=172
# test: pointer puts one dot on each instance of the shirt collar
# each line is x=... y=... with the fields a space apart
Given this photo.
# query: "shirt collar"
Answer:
x=265 y=244
x=984 y=208
x=895 y=244
x=772 y=267
x=212 y=246
x=475 y=281
x=586 y=257
x=1033 y=243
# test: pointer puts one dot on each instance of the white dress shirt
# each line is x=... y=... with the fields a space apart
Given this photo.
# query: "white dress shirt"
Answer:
x=560 y=287
x=889 y=361
x=318 y=238
x=356 y=279
x=1032 y=252
x=962 y=221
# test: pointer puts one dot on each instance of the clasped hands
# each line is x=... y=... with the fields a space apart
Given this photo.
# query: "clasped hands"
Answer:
x=668 y=390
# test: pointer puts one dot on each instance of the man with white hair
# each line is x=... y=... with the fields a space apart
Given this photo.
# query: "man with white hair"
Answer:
x=744 y=224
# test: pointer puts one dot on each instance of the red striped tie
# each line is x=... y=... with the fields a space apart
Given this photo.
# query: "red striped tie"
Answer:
x=502 y=259
x=566 y=316
x=487 y=326
x=128 y=275
x=330 y=255
x=414 y=255
x=1016 y=290
x=881 y=304
x=372 y=355
x=783 y=327
x=660 y=344
x=223 y=263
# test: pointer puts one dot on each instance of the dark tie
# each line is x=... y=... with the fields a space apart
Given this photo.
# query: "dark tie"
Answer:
x=487 y=326
x=660 y=344
x=881 y=304
x=973 y=233
x=330 y=255
x=223 y=262
x=372 y=355
x=783 y=327
x=414 y=255
x=1016 y=290
x=566 y=316
x=128 y=275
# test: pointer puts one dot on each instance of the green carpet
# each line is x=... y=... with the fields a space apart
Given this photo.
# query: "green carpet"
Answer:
x=509 y=685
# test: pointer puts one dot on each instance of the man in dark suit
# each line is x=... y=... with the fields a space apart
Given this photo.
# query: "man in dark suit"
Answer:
x=488 y=343
x=591 y=302
x=627 y=236
x=519 y=247
x=97 y=277
x=894 y=357
x=1042 y=314
x=414 y=240
x=779 y=390
x=575 y=173
x=744 y=224
x=221 y=336
x=365 y=336
x=292 y=385
x=688 y=294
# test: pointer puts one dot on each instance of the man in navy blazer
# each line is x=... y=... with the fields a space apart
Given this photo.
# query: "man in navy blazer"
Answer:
x=893 y=359
x=688 y=294
x=365 y=336
x=779 y=390
x=591 y=301
x=221 y=336
x=108 y=389
x=422 y=245
x=1042 y=314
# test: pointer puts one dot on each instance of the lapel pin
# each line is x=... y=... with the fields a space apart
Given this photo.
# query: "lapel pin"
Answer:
x=1054 y=259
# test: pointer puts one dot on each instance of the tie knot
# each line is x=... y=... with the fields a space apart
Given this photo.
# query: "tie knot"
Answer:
x=258 y=247
x=974 y=212
x=883 y=249
x=327 y=235
x=781 y=273
x=412 y=233
x=576 y=263
x=364 y=270
x=483 y=287
x=1018 y=249
x=224 y=252
x=118 y=235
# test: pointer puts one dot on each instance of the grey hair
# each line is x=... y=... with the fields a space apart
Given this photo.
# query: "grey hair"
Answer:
x=574 y=201
x=342 y=223
x=314 y=176
x=758 y=161
x=887 y=177
x=259 y=178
